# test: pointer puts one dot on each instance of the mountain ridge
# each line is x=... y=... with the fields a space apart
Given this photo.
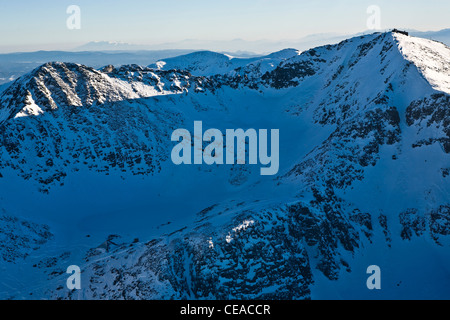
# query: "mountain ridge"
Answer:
x=365 y=170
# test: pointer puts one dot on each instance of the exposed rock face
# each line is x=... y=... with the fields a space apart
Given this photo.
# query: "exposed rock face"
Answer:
x=20 y=238
x=235 y=262
x=431 y=115
x=435 y=222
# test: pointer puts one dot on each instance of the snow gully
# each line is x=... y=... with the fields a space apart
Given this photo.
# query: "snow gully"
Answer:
x=236 y=141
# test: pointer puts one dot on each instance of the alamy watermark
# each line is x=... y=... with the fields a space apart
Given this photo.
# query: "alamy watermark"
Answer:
x=74 y=280
x=374 y=19
x=73 y=22
x=374 y=281
x=236 y=143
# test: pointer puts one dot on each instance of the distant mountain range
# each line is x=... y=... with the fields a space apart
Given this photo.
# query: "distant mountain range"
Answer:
x=100 y=53
x=14 y=65
x=252 y=47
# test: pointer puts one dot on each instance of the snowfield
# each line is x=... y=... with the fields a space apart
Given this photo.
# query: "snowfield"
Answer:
x=430 y=57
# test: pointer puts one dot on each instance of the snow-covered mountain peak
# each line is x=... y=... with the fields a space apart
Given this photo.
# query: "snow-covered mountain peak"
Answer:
x=364 y=170
x=57 y=84
x=432 y=58
x=283 y=54
x=208 y=63
x=199 y=63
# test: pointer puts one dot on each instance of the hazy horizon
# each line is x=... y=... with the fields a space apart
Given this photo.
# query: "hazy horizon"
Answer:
x=28 y=26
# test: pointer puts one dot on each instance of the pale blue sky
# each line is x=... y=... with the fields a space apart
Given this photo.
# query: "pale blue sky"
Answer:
x=33 y=25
